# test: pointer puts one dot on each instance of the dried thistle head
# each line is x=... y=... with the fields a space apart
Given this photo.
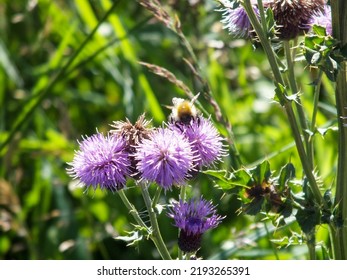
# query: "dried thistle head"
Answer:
x=292 y=16
x=133 y=134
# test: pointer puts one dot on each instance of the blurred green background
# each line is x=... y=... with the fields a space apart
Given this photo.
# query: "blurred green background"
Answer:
x=45 y=107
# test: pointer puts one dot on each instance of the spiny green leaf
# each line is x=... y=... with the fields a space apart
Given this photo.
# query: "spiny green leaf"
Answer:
x=287 y=172
x=319 y=30
x=286 y=241
x=228 y=182
x=261 y=172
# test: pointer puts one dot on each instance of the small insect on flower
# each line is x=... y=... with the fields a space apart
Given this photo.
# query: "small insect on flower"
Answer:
x=183 y=111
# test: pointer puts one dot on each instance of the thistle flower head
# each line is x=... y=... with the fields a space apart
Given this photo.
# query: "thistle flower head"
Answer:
x=101 y=161
x=323 y=18
x=236 y=21
x=133 y=134
x=193 y=218
x=166 y=158
x=292 y=16
x=204 y=139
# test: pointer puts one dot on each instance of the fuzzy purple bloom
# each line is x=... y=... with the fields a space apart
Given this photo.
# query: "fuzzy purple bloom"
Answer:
x=237 y=21
x=205 y=140
x=193 y=218
x=166 y=158
x=101 y=161
x=323 y=18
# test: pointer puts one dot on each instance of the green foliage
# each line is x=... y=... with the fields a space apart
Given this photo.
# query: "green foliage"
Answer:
x=58 y=81
x=321 y=50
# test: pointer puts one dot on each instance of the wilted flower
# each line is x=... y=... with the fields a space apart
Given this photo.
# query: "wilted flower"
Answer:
x=101 y=161
x=237 y=21
x=323 y=18
x=166 y=158
x=292 y=16
x=133 y=134
x=204 y=139
x=193 y=218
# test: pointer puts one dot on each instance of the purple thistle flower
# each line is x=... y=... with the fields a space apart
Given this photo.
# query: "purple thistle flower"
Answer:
x=101 y=161
x=237 y=21
x=193 y=218
x=166 y=158
x=323 y=18
x=204 y=138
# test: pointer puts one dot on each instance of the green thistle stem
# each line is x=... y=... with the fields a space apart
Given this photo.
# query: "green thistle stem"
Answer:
x=316 y=100
x=339 y=22
x=155 y=234
x=284 y=101
x=183 y=192
x=132 y=210
x=299 y=107
x=156 y=197
x=311 y=244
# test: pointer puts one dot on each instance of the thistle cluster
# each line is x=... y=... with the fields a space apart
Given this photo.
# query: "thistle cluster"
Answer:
x=292 y=17
x=169 y=155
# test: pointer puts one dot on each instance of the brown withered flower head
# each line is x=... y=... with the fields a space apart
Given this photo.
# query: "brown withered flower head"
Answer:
x=268 y=191
x=293 y=16
x=133 y=134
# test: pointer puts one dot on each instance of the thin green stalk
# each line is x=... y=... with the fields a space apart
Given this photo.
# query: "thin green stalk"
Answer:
x=311 y=250
x=36 y=100
x=272 y=245
x=132 y=209
x=155 y=234
x=262 y=14
x=316 y=100
x=339 y=22
x=294 y=88
x=335 y=243
x=341 y=180
x=285 y=102
x=156 y=197
x=183 y=193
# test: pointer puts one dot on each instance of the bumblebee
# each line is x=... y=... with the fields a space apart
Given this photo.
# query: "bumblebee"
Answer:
x=183 y=111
